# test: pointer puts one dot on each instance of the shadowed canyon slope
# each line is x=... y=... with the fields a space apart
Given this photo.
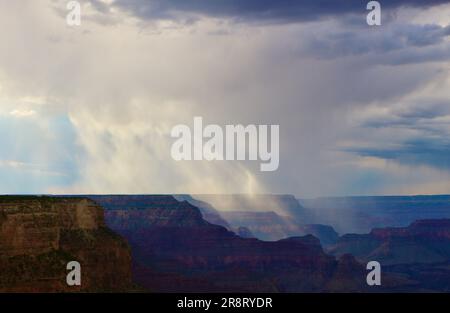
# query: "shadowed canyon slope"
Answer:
x=424 y=241
x=259 y=215
x=160 y=244
x=40 y=235
x=175 y=249
x=420 y=253
x=271 y=226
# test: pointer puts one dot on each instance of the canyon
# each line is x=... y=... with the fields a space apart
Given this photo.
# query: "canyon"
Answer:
x=362 y=214
x=164 y=243
x=424 y=241
x=176 y=250
x=255 y=215
x=40 y=235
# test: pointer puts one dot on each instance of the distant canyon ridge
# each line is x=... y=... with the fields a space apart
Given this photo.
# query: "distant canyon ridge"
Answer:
x=214 y=243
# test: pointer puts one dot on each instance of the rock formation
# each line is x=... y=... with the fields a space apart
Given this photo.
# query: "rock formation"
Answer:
x=424 y=241
x=40 y=235
x=174 y=249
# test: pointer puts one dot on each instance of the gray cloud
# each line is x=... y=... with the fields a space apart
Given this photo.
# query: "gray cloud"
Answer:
x=415 y=133
x=427 y=151
x=412 y=116
x=125 y=87
x=258 y=10
x=395 y=44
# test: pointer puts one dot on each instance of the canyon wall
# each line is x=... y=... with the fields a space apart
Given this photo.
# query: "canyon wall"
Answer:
x=176 y=250
x=40 y=235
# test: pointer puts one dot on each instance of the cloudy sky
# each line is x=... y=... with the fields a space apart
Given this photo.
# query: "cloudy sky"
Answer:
x=88 y=109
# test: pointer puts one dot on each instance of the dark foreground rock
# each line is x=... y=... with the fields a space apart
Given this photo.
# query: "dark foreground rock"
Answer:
x=40 y=235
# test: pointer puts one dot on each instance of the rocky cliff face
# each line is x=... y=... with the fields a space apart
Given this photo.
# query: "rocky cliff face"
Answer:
x=209 y=213
x=272 y=226
x=284 y=205
x=175 y=250
x=267 y=217
x=40 y=235
x=418 y=256
x=264 y=225
x=362 y=214
x=136 y=212
x=326 y=234
x=244 y=232
x=424 y=241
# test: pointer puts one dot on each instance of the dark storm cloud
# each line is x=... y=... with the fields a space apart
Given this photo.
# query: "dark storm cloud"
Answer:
x=426 y=151
x=399 y=43
x=259 y=10
x=100 y=6
x=429 y=143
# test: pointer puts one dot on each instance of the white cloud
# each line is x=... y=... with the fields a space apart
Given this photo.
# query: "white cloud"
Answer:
x=22 y=113
x=124 y=84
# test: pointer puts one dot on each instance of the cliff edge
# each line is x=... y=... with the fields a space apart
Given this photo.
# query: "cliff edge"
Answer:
x=40 y=235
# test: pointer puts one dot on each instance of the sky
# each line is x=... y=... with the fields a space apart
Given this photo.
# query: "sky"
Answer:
x=89 y=109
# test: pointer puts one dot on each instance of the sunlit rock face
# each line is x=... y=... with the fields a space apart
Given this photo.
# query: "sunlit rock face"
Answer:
x=40 y=235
